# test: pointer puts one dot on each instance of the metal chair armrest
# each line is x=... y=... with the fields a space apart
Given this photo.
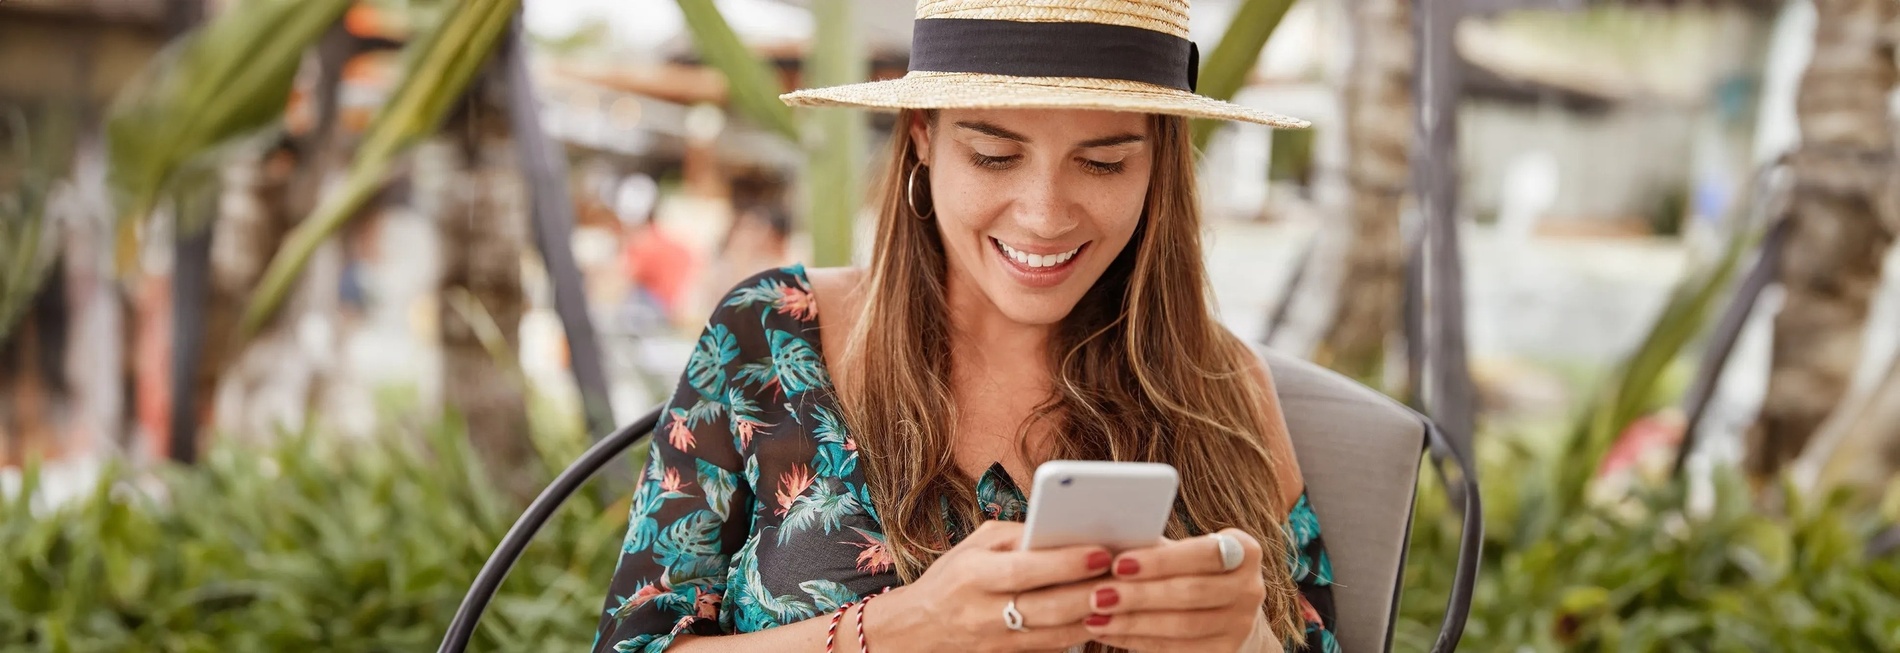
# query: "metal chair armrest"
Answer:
x=488 y=580
x=1470 y=536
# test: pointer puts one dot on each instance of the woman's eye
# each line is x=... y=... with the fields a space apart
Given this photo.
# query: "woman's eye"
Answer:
x=994 y=162
x=1102 y=167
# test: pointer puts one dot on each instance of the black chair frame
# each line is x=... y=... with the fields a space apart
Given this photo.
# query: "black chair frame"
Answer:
x=1463 y=489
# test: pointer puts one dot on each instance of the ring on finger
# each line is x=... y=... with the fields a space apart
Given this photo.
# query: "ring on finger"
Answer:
x=1013 y=618
x=1231 y=553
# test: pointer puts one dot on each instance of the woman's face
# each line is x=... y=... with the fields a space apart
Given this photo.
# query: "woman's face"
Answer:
x=1033 y=205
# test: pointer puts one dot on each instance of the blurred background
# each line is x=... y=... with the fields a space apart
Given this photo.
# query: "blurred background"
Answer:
x=301 y=300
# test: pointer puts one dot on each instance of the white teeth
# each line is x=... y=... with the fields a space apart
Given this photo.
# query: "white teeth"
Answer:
x=1037 y=260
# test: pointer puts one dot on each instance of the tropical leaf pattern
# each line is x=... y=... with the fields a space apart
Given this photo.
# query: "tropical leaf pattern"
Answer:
x=752 y=511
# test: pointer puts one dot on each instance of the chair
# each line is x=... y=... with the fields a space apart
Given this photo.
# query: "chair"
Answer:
x=1358 y=450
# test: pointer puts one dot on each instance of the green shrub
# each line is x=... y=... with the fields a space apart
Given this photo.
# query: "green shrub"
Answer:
x=1646 y=576
x=310 y=544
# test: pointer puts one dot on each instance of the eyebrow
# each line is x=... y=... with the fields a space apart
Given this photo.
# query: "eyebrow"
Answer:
x=992 y=129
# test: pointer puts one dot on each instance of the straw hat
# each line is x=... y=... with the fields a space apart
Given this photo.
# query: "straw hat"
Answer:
x=1117 y=55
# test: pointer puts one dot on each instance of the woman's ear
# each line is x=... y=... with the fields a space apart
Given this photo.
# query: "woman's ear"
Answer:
x=920 y=136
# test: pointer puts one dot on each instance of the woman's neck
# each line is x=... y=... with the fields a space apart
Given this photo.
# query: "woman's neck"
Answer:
x=984 y=340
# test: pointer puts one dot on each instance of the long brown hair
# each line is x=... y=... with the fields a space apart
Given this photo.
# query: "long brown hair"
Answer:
x=1142 y=372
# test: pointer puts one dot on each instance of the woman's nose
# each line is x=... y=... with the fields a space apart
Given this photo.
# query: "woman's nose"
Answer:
x=1046 y=210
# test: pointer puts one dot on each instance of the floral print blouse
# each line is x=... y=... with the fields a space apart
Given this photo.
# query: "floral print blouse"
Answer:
x=753 y=511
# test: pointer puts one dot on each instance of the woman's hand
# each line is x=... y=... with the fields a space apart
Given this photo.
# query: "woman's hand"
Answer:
x=958 y=603
x=1175 y=597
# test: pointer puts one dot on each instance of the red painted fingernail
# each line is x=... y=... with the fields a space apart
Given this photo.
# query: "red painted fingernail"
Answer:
x=1127 y=567
x=1099 y=560
x=1107 y=597
x=1097 y=620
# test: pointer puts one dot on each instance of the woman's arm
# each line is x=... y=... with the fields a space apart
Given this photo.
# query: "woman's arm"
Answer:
x=1262 y=640
x=691 y=511
x=1312 y=568
x=807 y=635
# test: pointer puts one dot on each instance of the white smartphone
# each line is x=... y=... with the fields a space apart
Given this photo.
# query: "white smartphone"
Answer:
x=1118 y=505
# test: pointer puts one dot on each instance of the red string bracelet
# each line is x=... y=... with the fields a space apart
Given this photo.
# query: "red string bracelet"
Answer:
x=863 y=645
x=831 y=633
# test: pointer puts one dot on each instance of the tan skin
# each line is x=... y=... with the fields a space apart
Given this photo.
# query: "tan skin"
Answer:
x=1043 y=181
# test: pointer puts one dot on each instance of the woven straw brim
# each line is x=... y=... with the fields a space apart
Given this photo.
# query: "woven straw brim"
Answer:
x=934 y=90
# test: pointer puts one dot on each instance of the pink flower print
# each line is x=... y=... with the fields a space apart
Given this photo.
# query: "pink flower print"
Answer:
x=792 y=484
x=647 y=593
x=1310 y=614
x=679 y=435
x=707 y=605
x=672 y=482
x=747 y=427
x=796 y=302
x=875 y=558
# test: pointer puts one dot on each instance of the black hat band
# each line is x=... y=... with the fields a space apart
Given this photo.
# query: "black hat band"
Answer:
x=1028 y=49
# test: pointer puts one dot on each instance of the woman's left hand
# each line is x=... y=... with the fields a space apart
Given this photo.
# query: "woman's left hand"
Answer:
x=1175 y=597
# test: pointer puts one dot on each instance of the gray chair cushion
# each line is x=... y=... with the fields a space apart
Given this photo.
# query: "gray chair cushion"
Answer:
x=1359 y=451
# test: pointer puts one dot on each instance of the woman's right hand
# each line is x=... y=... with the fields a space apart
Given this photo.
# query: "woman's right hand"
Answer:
x=957 y=604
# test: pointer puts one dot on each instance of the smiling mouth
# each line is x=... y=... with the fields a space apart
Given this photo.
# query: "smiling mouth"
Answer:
x=1037 y=262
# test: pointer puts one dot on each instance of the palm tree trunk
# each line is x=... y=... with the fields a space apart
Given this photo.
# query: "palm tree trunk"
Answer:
x=265 y=197
x=480 y=211
x=1378 y=123
x=1842 y=221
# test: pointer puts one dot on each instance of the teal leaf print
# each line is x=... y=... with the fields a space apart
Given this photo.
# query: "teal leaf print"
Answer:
x=799 y=366
x=824 y=506
x=679 y=602
x=999 y=497
x=640 y=643
x=863 y=494
x=759 y=374
x=752 y=474
x=689 y=539
x=833 y=461
x=704 y=411
x=706 y=370
x=745 y=419
x=640 y=535
x=827 y=595
x=719 y=485
x=766 y=609
x=766 y=291
x=1301 y=524
x=830 y=428
x=837 y=453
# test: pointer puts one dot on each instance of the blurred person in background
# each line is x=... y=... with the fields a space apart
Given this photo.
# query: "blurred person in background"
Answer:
x=1036 y=291
x=658 y=265
x=758 y=239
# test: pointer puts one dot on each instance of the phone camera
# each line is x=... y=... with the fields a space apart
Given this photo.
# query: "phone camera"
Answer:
x=1066 y=481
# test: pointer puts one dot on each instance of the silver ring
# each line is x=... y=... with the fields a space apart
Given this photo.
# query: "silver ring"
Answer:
x=1231 y=553
x=1013 y=618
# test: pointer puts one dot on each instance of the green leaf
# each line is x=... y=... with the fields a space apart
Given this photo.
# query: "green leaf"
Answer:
x=749 y=84
x=1224 y=70
x=219 y=82
x=439 y=67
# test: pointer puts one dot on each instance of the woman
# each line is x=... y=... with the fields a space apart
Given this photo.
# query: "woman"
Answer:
x=1035 y=292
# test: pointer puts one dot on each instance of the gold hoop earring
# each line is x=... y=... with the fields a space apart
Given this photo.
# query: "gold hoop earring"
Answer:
x=910 y=194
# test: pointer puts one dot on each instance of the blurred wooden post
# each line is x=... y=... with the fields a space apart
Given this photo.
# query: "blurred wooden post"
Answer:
x=195 y=205
x=552 y=218
x=191 y=283
x=1449 y=396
